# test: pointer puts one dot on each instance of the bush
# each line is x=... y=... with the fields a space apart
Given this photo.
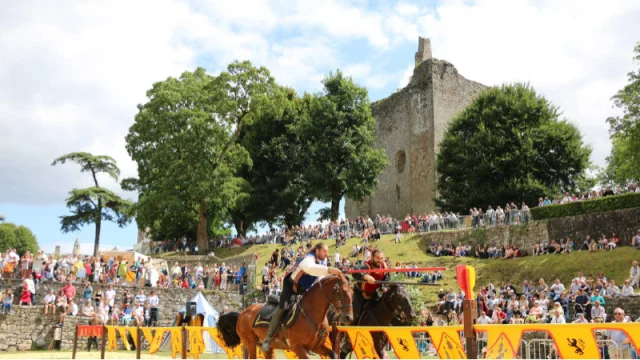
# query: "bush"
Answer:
x=609 y=203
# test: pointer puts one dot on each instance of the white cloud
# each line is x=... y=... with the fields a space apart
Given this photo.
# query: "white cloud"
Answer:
x=71 y=73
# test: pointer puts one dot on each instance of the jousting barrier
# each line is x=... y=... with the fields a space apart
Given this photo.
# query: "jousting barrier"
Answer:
x=575 y=341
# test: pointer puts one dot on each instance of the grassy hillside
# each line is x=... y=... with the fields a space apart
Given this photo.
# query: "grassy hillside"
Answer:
x=614 y=264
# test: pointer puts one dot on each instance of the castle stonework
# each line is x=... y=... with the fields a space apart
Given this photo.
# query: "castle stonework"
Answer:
x=410 y=124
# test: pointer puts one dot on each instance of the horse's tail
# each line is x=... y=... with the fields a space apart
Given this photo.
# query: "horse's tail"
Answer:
x=227 y=328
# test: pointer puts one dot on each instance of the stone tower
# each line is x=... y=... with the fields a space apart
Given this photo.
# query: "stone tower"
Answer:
x=410 y=125
x=76 y=246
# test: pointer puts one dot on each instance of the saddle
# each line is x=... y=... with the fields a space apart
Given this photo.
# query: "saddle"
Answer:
x=269 y=308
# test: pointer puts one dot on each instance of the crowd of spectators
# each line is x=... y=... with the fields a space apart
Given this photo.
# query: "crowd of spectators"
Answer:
x=588 y=195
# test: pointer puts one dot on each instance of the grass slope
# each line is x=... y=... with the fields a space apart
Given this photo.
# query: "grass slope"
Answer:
x=614 y=264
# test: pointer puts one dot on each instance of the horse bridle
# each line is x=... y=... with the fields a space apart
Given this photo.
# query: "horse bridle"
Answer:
x=397 y=311
x=337 y=289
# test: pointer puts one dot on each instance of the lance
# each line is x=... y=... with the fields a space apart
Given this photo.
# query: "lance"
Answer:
x=397 y=283
x=395 y=270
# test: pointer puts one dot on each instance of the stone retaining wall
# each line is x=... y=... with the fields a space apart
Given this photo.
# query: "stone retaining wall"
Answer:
x=624 y=222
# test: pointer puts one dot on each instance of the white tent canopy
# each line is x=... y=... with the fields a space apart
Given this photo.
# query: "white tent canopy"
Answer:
x=207 y=317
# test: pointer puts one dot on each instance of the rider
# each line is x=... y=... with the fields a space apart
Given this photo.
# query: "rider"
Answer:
x=364 y=292
x=298 y=280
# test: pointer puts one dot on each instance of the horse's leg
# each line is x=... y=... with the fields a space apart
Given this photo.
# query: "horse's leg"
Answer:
x=271 y=354
x=326 y=351
x=301 y=352
x=250 y=348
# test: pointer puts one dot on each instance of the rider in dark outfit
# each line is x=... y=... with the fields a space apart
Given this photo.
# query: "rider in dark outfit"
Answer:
x=367 y=292
x=298 y=280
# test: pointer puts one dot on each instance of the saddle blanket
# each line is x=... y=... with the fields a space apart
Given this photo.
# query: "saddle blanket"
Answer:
x=268 y=309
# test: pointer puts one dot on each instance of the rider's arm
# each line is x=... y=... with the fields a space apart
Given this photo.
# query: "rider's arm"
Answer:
x=360 y=276
x=309 y=266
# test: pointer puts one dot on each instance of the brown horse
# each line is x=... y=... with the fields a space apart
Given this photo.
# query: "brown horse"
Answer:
x=310 y=329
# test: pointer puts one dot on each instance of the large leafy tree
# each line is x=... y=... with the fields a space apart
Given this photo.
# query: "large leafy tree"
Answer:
x=508 y=145
x=19 y=237
x=94 y=204
x=277 y=188
x=340 y=132
x=184 y=141
x=623 y=165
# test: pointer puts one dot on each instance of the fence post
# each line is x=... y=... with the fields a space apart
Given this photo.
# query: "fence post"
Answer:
x=470 y=315
x=185 y=338
x=75 y=343
x=103 y=341
x=138 y=342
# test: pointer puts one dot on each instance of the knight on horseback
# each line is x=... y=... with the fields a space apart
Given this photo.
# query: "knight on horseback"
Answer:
x=304 y=273
x=367 y=292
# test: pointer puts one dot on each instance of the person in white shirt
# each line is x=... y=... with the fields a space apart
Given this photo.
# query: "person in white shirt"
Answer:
x=612 y=290
x=138 y=313
x=302 y=276
x=154 y=304
x=627 y=289
x=336 y=258
x=557 y=317
x=199 y=271
x=103 y=313
x=557 y=288
x=49 y=302
x=483 y=319
x=110 y=296
x=634 y=274
x=580 y=319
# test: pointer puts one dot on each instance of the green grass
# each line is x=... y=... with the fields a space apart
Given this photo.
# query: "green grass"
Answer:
x=614 y=264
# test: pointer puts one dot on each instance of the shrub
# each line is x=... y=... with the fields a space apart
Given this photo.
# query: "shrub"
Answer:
x=609 y=203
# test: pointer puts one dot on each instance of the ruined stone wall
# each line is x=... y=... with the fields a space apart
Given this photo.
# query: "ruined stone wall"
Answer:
x=410 y=125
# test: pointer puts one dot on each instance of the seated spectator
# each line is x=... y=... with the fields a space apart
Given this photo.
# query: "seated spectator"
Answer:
x=597 y=311
x=116 y=313
x=498 y=316
x=602 y=243
x=72 y=310
x=580 y=319
x=50 y=303
x=517 y=318
x=634 y=273
x=612 y=290
x=627 y=290
x=596 y=296
x=557 y=317
x=125 y=315
x=535 y=314
x=138 y=313
x=440 y=303
x=7 y=302
x=450 y=300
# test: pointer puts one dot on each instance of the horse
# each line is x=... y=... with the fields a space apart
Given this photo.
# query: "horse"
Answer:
x=306 y=333
x=394 y=308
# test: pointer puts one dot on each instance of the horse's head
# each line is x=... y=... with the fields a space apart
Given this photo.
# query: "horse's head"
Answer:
x=398 y=301
x=340 y=300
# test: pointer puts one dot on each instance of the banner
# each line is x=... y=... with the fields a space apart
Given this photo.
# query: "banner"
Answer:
x=89 y=330
x=447 y=341
x=402 y=342
x=232 y=353
x=361 y=342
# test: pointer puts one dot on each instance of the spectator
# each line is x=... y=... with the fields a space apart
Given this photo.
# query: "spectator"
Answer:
x=25 y=298
x=498 y=316
x=154 y=311
x=597 y=311
x=7 y=302
x=141 y=297
x=72 y=310
x=597 y=297
x=110 y=296
x=87 y=294
x=634 y=273
x=441 y=301
x=620 y=341
x=50 y=302
x=627 y=290
x=138 y=313
x=580 y=319
x=557 y=317
x=69 y=290
x=612 y=290
x=535 y=314
x=450 y=300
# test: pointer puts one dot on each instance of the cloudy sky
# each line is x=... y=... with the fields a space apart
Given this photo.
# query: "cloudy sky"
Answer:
x=71 y=73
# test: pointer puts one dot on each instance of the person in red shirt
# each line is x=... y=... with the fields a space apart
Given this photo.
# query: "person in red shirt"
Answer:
x=364 y=292
x=185 y=283
x=69 y=290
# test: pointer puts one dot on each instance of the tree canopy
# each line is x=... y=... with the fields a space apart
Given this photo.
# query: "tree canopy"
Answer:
x=623 y=165
x=508 y=145
x=340 y=133
x=185 y=143
x=19 y=237
x=277 y=188
x=94 y=204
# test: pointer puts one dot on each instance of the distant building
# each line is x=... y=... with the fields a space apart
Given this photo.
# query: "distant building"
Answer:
x=76 y=246
x=57 y=253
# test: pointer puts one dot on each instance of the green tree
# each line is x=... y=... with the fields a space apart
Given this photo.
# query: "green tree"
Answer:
x=340 y=132
x=623 y=165
x=184 y=141
x=95 y=204
x=508 y=145
x=277 y=188
x=19 y=237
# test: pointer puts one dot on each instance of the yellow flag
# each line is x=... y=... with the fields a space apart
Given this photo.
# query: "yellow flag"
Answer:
x=196 y=342
x=112 y=344
x=447 y=341
x=362 y=343
x=232 y=353
x=404 y=346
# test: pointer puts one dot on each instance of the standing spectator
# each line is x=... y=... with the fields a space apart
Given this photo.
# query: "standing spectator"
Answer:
x=154 y=304
x=141 y=297
x=110 y=296
x=32 y=287
x=87 y=294
x=634 y=274
x=25 y=298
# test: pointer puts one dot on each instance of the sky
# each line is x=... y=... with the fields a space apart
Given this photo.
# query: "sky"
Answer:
x=72 y=73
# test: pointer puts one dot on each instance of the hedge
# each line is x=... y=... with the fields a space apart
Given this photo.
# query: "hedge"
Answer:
x=609 y=203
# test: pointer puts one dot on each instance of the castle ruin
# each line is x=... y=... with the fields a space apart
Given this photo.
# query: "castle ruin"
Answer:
x=410 y=125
